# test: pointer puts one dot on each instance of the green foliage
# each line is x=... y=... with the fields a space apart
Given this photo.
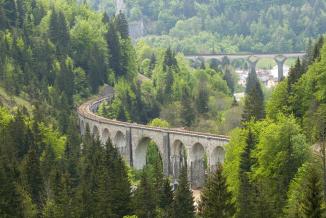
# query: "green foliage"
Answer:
x=216 y=200
x=157 y=122
x=183 y=205
x=312 y=204
x=144 y=200
x=254 y=99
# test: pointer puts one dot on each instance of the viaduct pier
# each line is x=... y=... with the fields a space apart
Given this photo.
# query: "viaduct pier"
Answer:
x=200 y=151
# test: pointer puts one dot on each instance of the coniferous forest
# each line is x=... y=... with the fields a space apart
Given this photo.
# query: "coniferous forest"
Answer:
x=55 y=55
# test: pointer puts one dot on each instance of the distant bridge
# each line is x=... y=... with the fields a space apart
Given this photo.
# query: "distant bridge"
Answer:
x=177 y=147
x=252 y=58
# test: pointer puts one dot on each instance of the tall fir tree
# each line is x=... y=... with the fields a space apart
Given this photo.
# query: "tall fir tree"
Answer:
x=251 y=80
x=169 y=60
x=187 y=112
x=254 y=101
x=166 y=197
x=312 y=204
x=229 y=79
x=294 y=74
x=114 y=47
x=10 y=11
x=10 y=199
x=183 y=205
x=246 y=191
x=32 y=177
x=144 y=199
x=216 y=200
x=202 y=99
x=118 y=182
x=122 y=25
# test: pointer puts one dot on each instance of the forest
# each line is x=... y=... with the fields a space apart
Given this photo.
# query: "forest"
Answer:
x=54 y=55
x=225 y=26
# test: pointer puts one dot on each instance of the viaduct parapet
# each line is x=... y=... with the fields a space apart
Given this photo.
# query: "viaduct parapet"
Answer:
x=200 y=151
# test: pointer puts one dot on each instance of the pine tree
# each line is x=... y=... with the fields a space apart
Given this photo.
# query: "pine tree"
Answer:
x=144 y=200
x=294 y=74
x=187 y=113
x=183 y=205
x=216 y=200
x=244 y=198
x=251 y=81
x=10 y=10
x=214 y=64
x=32 y=177
x=59 y=33
x=254 y=100
x=10 y=199
x=166 y=198
x=229 y=80
x=118 y=182
x=312 y=204
x=3 y=19
x=152 y=63
x=18 y=134
x=97 y=67
x=114 y=46
x=317 y=48
x=169 y=60
x=169 y=79
x=202 y=99
x=122 y=25
x=20 y=13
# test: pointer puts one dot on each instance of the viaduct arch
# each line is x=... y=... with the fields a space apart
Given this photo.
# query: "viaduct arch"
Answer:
x=200 y=151
x=252 y=59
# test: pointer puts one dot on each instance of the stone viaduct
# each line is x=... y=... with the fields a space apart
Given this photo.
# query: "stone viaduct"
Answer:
x=252 y=59
x=200 y=151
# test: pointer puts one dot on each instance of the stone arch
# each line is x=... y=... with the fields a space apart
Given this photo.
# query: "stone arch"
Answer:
x=197 y=152
x=178 y=157
x=95 y=132
x=87 y=127
x=105 y=135
x=217 y=156
x=197 y=166
x=119 y=140
x=141 y=152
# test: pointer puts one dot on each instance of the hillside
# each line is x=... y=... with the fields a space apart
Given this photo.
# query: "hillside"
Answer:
x=197 y=26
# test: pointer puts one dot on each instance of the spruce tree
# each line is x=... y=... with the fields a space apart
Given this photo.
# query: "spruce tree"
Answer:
x=229 y=80
x=254 y=100
x=20 y=13
x=59 y=32
x=251 y=81
x=202 y=99
x=187 y=112
x=32 y=177
x=166 y=197
x=214 y=64
x=170 y=60
x=152 y=63
x=122 y=25
x=10 y=199
x=294 y=74
x=9 y=7
x=246 y=191
x=183 y=205
x=216 y=200
x=312 y=204
x=114 y=47
x=144 y=200
x=117 y=182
